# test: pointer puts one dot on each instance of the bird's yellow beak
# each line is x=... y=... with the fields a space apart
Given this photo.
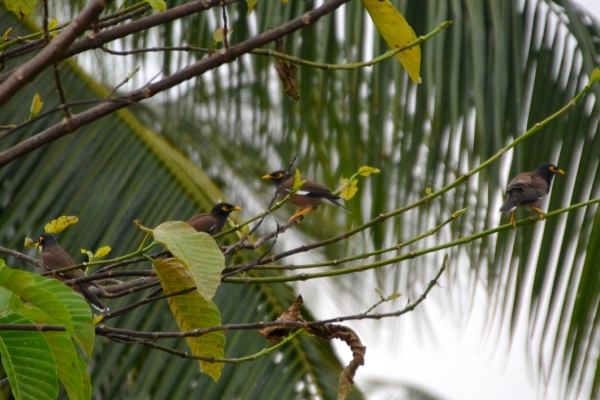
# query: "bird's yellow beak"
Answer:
x=236 y=208
x=559 y=171
x=267 y=177
x=37 y=245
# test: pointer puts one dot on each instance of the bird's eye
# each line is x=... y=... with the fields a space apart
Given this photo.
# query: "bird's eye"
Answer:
x=41 y=239
x=224 y=208
x=279 y=175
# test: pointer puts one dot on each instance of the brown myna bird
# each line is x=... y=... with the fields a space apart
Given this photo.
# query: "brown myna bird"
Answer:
x=213 y=221
x=310 y=195
x=53 y=257
x=528 y=189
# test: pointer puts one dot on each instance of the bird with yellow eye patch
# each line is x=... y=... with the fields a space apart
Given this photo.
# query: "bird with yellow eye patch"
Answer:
x=528 y=189
x=212 y=222
x=53 y=257
x=310 y=195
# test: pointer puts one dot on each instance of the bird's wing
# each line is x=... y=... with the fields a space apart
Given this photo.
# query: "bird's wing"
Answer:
x=313 y=189
x=202 y=222
x=528 y=187
x=57 y=259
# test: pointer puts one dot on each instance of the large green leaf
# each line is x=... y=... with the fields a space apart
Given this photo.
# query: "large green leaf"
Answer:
x=198 y=251
x=28 y=361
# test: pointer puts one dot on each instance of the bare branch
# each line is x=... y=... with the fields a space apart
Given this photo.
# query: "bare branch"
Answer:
x=26 y=72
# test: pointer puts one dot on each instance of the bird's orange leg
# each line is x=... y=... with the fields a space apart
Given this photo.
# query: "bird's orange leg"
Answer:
x=300 y=213
x=537 y=210
x=512 y=219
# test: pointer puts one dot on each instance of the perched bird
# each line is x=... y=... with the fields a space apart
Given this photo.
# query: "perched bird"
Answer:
x=310 y=195
x=213 y=221
x=53 y=257
x=528 y=189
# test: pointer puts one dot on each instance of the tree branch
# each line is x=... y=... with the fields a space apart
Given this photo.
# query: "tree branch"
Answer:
x=28 y=71
x=202 y=66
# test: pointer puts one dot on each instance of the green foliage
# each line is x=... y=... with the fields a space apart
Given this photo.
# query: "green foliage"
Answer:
x=34 y=360
x=197 y=251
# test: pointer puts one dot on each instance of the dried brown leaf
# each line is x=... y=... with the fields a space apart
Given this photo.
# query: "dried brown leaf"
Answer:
x=274 y=334
x=330 y=331
x=287 y=72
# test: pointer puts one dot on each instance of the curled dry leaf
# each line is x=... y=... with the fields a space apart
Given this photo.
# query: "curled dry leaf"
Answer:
x=287 y=72
x=274 y=335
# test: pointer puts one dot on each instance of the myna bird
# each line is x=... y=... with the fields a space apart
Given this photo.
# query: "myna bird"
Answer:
x=310 y=195
x=528 y=189
x=213 y=221
x=53 y=257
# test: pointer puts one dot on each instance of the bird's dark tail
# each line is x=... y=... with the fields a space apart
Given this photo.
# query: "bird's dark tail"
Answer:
x=337 y=203
x=92 y=298
x=508 y=205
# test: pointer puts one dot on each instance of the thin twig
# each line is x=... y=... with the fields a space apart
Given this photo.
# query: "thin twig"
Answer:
x=225 y=31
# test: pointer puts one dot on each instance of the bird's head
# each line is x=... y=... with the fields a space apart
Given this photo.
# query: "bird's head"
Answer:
x=224 y=209
x=548 y=169
x=277 y=176
x=45 y=240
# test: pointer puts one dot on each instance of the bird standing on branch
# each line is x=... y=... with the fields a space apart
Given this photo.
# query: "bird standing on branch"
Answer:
x=213 y=221
x=53 y=257
x=528 y=189
x=310 y=195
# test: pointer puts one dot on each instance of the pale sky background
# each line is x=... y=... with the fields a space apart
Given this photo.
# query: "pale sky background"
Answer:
x=456 y=365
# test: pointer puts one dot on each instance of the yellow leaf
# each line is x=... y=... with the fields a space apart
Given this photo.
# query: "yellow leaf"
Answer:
x=8 y=31
x=397 y=33
x=36 y=106
x=53 y=23
x=366 y=170
x=158 y=5
x=20 y=7
x=427 y=190
x=60 y=223
x=101 y=252
x=89 y=254
x=350 y=190
x=29 y=243
x=218 y=34
x=251 y=4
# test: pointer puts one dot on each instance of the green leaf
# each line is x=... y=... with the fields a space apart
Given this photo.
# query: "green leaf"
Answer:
x=85 y=375
x=379 y=292
x=595 y=75
x=36 y=106
x=8 y=31
x=298 y=182
x=350 y=189
x=61 y=223
x=251 y=4
x=193 y=311
x=158 y=5
x=397 y=33
x=366 y=170
x=28 y=361
x=22 y=284
x=218 y=35
x=78 y=308
x=29 y=243
x=394 y=296
x=64 y=352
x=20 y=7
x=101 y=252
x=197 y=251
